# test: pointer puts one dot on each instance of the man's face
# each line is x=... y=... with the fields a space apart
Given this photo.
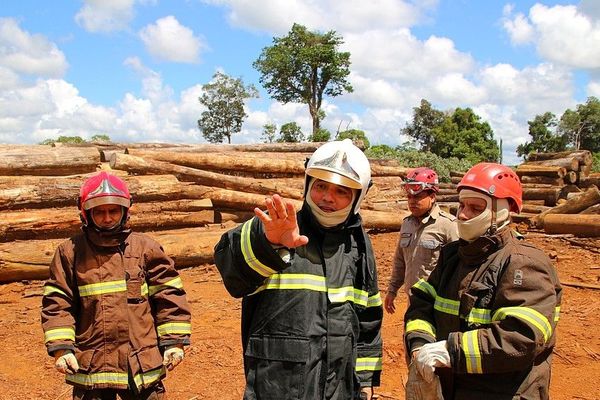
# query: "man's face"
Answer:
x=330 y=197
x=470 y=207
x=419 y=204
x=107 y=216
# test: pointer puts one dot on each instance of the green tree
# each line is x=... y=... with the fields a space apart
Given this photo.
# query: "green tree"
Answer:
x=582 y=126
x=64 y=139
x=425 y=118
x=304 y=66
x=100 y=138
x=322 y=135
x=290 y=133
x=459 y=134
x=268 y=133
x=224 y=100
x=544 y=136
x=357 y=136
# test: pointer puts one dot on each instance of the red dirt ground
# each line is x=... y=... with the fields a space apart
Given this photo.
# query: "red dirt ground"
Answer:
x=213 y=365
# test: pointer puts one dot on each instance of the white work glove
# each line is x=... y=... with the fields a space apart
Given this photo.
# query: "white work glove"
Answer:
x=172 y=357
x=431 y=356
x=66 y=363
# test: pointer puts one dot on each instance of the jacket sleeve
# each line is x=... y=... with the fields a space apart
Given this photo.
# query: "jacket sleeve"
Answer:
x=398 y=269
x=369 y=347
x=522 y=324
x=245 y=258
x=167 y=297
x=419 y=323
x=59 y=302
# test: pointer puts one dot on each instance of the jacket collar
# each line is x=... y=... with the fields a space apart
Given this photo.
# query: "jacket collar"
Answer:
x=106 y=239
x=477 y=251
x=434 y=213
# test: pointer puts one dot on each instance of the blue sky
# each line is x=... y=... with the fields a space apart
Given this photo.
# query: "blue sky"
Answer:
x=134 y=69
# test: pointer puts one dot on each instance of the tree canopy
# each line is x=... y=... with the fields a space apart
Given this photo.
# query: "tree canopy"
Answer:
x=224 y=99
x=356 y=135
x=459 y=133
x=304 y=66
x=544 y=136
x=290 y=133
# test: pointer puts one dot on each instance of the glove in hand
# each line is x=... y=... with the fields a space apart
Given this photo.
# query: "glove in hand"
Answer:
x=430 y=357
x=418 y=389
x=66 y=363
x=172 y=357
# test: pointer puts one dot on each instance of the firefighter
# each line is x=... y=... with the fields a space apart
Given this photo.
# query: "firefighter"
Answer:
x=422 y=234
x=311 y=309
x=485 y=320
x=114 y=312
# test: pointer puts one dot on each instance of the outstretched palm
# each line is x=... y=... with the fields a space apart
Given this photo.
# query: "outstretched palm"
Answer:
x=280 y=223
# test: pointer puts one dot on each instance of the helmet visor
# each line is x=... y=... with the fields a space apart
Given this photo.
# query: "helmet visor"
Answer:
x=415 y=188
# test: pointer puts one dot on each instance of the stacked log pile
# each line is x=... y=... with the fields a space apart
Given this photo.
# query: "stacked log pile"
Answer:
x=184 y=196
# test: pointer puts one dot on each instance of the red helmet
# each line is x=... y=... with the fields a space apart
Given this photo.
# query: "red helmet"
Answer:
x=100 y=189
x=495 y=180
x=420 y=179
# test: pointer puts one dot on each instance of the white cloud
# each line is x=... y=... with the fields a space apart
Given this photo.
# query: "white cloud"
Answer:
x=23 y=53
x=518 y=27
x=105 y=15
x=168 y=40
x=593 y=88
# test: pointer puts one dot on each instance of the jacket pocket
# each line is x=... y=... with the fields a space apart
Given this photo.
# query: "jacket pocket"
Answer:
x=85 y=359
x=275 y=367
x=146 y=367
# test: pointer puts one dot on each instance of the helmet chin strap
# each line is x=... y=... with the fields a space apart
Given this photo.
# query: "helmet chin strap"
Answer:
x=494 y=224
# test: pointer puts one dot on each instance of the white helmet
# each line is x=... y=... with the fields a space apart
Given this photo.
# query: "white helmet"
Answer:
x=341 y=163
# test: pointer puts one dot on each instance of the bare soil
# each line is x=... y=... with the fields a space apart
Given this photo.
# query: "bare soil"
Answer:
x=212 y=368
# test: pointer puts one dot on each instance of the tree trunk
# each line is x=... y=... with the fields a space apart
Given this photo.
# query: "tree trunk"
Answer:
x=584 y=156
x=46 y=192
x=576 y=224
x=30 y=259
x=64 y=222
x=45 y=160
x=554 y=172
x=139 y=165
x=573 y=206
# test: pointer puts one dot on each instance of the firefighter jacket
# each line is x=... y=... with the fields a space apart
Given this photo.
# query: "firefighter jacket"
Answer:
x=117 y=302
x=496 y=301
x=311 y=316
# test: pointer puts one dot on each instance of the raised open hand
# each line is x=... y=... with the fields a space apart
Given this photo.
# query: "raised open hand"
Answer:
x=280 y=224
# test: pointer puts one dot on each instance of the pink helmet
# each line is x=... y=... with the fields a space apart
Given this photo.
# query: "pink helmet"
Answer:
x=100 y=189
x=495 y=180
x=420 y=179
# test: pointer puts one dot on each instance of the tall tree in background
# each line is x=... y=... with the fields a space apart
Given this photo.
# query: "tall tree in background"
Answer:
x=224 y=100
x=290 y=133
x=304 y=66
x=544 y=136
x=425 y=118
x=582 y=126
x=268 y=133
x=459 y=134
x=357 y=136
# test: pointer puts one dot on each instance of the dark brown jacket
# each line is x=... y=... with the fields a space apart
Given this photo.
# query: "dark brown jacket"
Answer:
x=117 y=302
x=496 y=301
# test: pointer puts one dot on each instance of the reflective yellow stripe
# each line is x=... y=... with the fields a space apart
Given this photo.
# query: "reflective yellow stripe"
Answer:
x=375 y=300
x=144 y=289
x=97 y=378
x=94 y=289
x=480 y=316
x=556 y=313
x=529 y=315
x=293 y=282
x=148 y=378
x=180 y=328
x=470 y=346
x=368 y=364
x=446 y=306
x=53 y=289
x=249 y=256
x=425 y=287
x=476 y=315
x=420 y=325
x=348 y=293
x=59 y=334
x=173 y=283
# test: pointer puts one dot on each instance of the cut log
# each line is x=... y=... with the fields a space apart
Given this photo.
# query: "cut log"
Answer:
x=534 y=209
x=47 y=192
x=583 y=156
x=64 y=222
x=595 y=209
x=568 y=163
x=531 y=170
x=537 y=179
x=458 y=174
x=548 y=195
x=534 y=202
x=588 y=181
x=45 y=160
x=307 y=147
x=577 y=224
x=590 y=197
x=140 y=165
x=30 y=259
